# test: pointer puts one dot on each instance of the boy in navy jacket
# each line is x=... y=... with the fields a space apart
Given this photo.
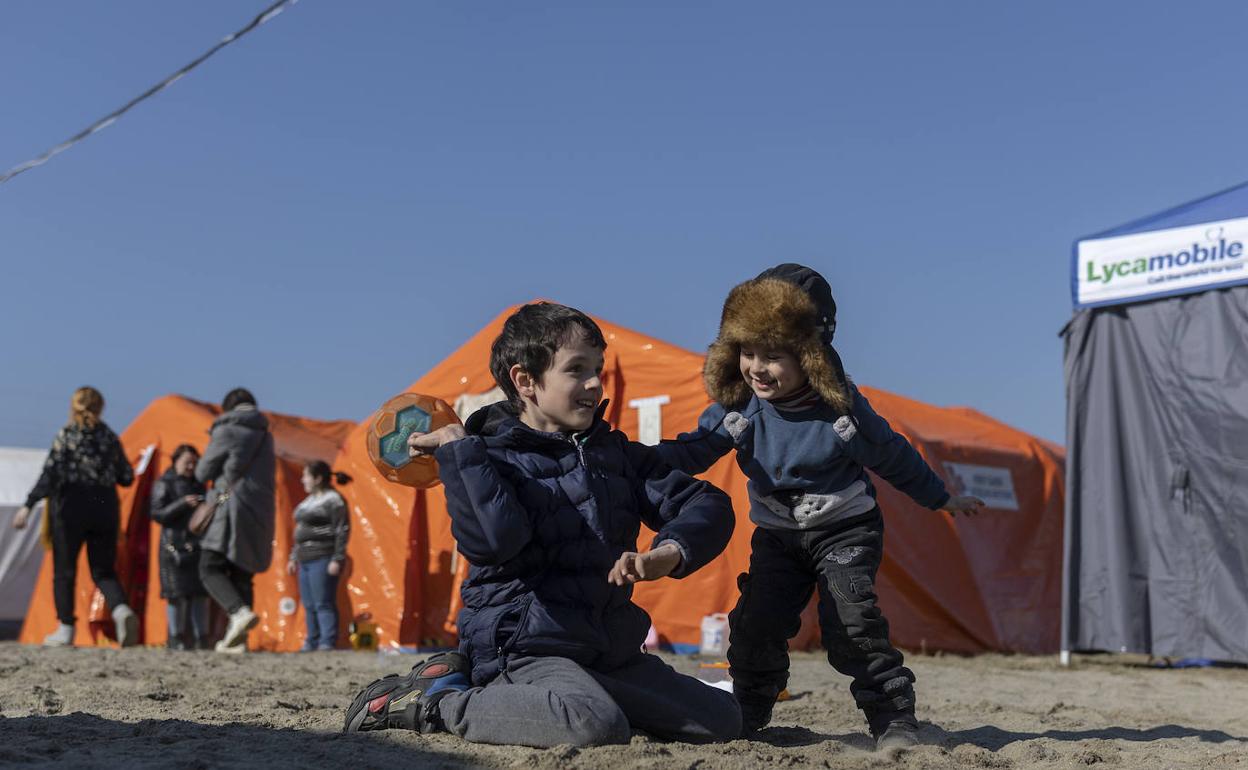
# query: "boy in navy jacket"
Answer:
x=546 y=502
x=804 y=435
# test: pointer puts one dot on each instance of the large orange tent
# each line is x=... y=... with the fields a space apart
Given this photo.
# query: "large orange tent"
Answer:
x=149 y=441
x=991 y=582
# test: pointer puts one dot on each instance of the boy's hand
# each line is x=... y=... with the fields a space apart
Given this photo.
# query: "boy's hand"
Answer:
x=962 y=504
x=652 y=565
x=19 y=518
x=421 y=444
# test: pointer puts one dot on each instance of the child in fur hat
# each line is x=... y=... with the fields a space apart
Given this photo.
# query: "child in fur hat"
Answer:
x=804 y=435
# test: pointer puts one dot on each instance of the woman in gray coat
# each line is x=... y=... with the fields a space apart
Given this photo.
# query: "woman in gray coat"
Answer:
x=241 y=464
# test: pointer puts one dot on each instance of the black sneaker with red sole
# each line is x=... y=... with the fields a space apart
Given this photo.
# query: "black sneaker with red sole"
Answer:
x=408 y=701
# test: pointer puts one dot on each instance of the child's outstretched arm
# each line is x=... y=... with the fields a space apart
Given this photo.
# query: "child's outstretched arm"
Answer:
x=693 y=518
x=889 y=454
x=489 y=523
x=698 y=450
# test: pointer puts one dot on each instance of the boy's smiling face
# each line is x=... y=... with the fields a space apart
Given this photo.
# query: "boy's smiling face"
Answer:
x=771 y=374
x=570 y=390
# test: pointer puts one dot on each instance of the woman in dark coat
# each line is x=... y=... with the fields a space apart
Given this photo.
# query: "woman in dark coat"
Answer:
x=174 y=498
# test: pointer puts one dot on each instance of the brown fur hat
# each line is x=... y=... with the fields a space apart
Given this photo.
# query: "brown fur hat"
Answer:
x=771 y=313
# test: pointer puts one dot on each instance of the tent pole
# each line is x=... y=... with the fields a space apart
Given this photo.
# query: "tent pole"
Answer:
x=1070 y=492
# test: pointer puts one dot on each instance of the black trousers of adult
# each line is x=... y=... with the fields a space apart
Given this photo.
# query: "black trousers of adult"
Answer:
x=90 y=514
x=228 y=584
x=785 y=567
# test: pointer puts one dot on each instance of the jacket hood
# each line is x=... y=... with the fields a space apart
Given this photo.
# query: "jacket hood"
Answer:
x=247 y=416
x=776 y=313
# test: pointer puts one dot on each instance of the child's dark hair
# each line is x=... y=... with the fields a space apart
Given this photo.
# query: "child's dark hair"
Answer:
x=319 y=469
x=237 y=397
x=530 y=338
x=181 y=450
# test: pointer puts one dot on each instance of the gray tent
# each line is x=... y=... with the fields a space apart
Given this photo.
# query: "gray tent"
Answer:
x=1156 y=364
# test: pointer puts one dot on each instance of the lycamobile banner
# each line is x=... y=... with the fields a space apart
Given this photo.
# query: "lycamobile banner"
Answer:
x=1180 y=260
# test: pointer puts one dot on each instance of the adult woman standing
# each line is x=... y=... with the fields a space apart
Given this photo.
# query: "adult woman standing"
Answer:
x=80 y=478
x=320 y=547
x=238 y=543
x=174 y=498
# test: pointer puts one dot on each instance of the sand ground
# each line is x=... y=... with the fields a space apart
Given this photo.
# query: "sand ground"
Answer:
x=153 y=708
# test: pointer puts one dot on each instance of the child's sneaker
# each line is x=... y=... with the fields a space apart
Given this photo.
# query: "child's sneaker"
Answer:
x=409 y=701
x=898 y=736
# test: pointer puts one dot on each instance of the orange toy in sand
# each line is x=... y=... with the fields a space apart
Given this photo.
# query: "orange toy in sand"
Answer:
x=397 y=419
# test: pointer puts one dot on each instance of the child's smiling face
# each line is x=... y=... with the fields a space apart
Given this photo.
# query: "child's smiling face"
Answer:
x=771 y=374
x=568 y=395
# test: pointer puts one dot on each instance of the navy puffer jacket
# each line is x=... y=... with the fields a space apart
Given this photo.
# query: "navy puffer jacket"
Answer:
x=542 y=518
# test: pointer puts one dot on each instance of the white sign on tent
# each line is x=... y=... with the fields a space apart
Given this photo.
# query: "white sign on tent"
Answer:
x=1178 y=260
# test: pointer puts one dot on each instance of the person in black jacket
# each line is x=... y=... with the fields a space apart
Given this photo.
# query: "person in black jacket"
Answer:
x=174 y=498
x=546 y=502
x=80 y=479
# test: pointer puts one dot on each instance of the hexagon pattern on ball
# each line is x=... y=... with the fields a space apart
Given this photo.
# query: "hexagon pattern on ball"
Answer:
x=410 y=420
x=388 y=432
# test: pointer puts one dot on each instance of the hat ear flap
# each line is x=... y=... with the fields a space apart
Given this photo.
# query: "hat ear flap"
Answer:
x=722 y=375
x=827 y=382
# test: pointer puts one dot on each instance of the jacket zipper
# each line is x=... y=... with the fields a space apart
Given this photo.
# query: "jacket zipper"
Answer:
x=580 y=449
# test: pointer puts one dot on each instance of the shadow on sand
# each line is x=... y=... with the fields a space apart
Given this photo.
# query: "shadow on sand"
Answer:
x=994 y=738
x=86 y=740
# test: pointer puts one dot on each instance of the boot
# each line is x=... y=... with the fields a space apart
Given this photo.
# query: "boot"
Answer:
x=895 y=733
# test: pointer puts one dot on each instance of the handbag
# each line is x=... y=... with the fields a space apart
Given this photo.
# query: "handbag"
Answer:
x=203 y=514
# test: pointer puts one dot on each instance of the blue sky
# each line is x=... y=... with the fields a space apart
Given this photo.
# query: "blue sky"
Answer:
x=328 y=208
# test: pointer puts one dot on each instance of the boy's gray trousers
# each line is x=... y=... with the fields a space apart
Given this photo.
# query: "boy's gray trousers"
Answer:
x=551 y=701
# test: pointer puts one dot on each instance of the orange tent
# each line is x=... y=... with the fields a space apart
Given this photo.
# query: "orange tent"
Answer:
x=991 y=582
x=149 y=441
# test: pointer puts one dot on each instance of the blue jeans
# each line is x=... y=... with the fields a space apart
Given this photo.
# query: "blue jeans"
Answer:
x=318 y=589
x=187 y=611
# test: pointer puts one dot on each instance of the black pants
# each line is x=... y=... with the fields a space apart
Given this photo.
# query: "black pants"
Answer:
x=85 y=514
x=785 y=567
x=226 y=583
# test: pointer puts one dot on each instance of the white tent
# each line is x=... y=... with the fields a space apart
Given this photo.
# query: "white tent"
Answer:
x=20 y=553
